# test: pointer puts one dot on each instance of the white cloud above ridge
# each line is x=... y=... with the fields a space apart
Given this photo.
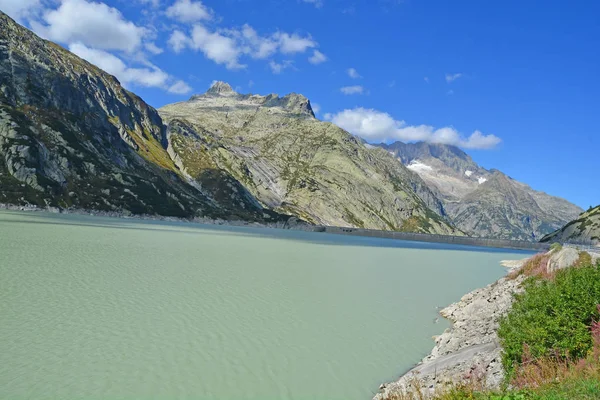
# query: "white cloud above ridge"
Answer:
x=151 y=76
x=93 y=24
x=350 y=90
x=188 y=11
x=317 y=58
x=228 y=46
x=376 y=126
x=20 y=10
x=353 y=73
x=451 y=77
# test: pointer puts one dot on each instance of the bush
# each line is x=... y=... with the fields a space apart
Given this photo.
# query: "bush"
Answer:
x=555 y=247
x=552 y=318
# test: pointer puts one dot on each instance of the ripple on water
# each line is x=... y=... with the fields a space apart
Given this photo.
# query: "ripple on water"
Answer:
x=99 y=308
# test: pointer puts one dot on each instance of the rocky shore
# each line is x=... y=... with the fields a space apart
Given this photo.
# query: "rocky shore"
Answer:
x=468 y=350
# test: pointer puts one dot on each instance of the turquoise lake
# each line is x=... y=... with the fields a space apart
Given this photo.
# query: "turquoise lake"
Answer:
x=103 y=308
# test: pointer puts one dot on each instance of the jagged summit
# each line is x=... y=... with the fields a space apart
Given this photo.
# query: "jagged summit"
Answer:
x=222 y=94
x=220 y=87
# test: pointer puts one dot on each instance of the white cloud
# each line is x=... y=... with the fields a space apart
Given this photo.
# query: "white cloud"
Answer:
x=348 y=90
x=317 y=58
x=146 y=77
x=92 y=24
x=294 y=43
x=378 y=126
x=353 y=73
x=315 y=107
x=426 y=79
x=250 y=83
x=451 y=77
x=253 y=44
x=20 y=10
x=179 y=87
x=228 y=46
x=316 y=3
x=216 y=47
x=152 y=48
x=278 y=68
x=188 y=11
x=178 y=41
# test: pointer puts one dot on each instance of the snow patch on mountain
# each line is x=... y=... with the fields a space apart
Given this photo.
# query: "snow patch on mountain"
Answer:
x=418 y=166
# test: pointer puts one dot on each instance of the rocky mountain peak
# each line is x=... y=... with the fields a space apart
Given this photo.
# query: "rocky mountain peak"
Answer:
x=293 y=102
x=221 y=88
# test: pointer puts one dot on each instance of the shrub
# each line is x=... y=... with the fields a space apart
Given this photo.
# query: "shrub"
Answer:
x=552 y=318
x=556 y=247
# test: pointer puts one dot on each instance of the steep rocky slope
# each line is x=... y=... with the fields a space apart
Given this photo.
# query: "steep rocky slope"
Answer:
x=483 y=202
x=70 y=135
x=296 y=164
x=583 y=230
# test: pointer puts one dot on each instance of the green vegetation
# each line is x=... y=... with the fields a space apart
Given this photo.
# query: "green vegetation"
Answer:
x=552 y=318
x=555 y=247
x=551 y=339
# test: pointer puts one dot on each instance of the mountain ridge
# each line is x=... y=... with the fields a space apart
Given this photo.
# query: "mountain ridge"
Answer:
x=483 y=202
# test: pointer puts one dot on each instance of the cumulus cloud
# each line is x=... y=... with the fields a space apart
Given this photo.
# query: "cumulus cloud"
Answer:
x=188 y=11
x=353 y=73
x=178 y=41
x=348 y=90
x=452 y=77
x=228 y=46
x=376 y=126
x=315 y=107
x=317 y=58
x=216 y=47
x=294 y=43
x=146 y=77
x=179 y=87
x=92 y=24
x=278 y=68
x=20 y=10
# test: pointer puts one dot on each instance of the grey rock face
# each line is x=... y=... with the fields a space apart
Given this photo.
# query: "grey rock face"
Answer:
x=483 y=202
x=295 y=164
x=71 y=136
x=469 y=350
x=585 y=229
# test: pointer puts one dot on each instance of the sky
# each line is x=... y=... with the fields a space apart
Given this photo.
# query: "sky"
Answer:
x=513 y=83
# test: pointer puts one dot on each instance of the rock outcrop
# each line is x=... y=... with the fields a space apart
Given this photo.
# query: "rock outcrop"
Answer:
x=481 y=202
x=295 y=164
x=585 y=229
x=467 y=351
x=72 y=136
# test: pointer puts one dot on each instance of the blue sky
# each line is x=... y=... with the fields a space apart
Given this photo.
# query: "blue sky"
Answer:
x=521 y=76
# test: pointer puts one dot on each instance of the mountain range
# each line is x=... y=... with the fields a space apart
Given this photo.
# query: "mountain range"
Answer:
x=483 y=202
x=72 y=136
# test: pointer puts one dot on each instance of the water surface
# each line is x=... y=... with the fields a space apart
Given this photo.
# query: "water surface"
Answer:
x=100 y=308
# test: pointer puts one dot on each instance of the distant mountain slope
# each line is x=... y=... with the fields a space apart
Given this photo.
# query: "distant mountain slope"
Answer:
x=296 y=164
x=483 y=202
x=583 y=230
x=70 y=135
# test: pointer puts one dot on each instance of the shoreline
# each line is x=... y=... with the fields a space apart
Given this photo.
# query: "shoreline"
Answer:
x=469 y=350
x=294 y=223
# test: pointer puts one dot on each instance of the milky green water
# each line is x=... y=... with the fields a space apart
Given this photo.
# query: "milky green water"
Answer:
x=101 y=308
